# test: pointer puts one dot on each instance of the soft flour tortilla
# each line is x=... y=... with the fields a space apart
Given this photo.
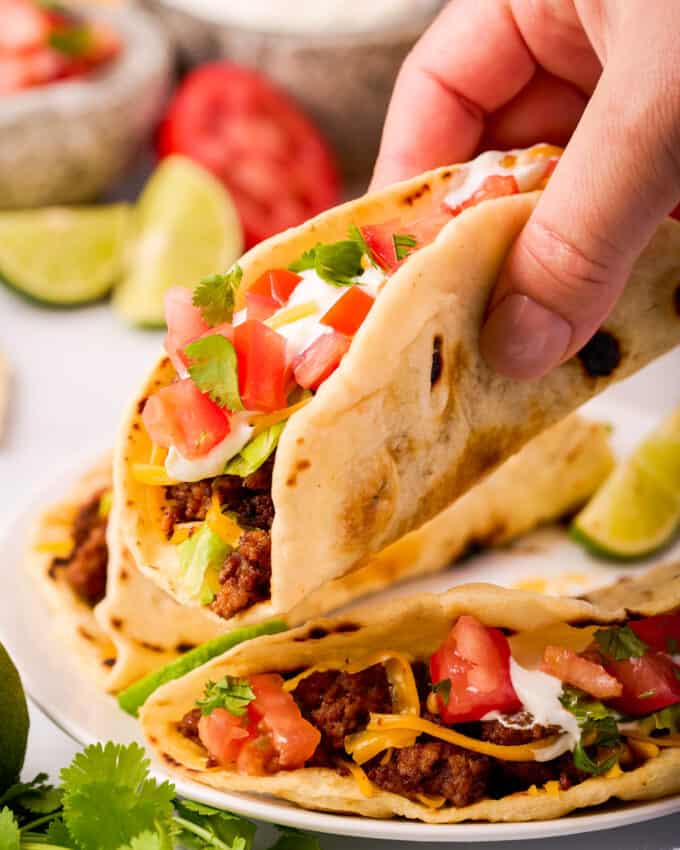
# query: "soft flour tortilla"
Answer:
x=379 y=451
x=416 y=626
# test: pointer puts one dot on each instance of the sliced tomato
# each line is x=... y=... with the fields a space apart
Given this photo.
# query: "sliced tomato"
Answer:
x=24 y=26
x=650 y=683
x=260 y=307
x=380 y=241
x=321 y=359
x=587 y=675
x=273 y=160
x=184 y=322
x=180 y=415
x=661 y=632
x=261 y=366
x=348 y=312
x=476 y=661
x=293 y=737
x=223 y=735
x=277 y=283
x=494 y=186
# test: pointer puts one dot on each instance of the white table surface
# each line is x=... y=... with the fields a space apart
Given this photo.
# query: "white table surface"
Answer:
x=72 y=373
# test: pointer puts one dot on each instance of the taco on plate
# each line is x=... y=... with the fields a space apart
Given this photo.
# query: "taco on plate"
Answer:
x=483 y=703
x=327 y=395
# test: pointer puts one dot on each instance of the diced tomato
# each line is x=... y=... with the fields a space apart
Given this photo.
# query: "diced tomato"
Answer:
x=223 y=735
x=226 y=329
x=321 y=359
x=274 y=161
x=590 y=677
x=184 y=322
x=476 y=661
x=260 y=307
x=24 y=26
x=380 y=242
x=650 y=683
x=293 y=737
x=348 y=312
x=180 y=415
x=277 y=283
x=675 y=212
x=256 y=755
x=661 y=632
x=261 y=366
x=494 y=186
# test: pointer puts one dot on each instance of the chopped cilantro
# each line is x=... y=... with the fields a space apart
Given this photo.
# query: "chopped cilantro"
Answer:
x=620 y=643
x=337 y=263
x=355 y=234
x=599 y=726
x=443 y=688
x=403 y=243
x=306 y=261
x=231 y=693
x=214 y=369
x=72 y=41
x=214 y=295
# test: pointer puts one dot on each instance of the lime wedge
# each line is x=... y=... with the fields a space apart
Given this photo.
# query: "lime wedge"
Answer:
x=64 y=255
x=637 y=510
x=13 y=722
x=187 y=228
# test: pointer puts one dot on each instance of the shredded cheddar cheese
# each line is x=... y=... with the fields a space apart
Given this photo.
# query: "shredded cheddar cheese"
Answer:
x=551 y=788
x=58 y=548
x=183 y=531
x=153 y=474
x=157 y=455
x=643 y=749
x=365 y=785
x=291 y=314
x=523 y=752
x=222 y=524
x=614 y=772
x=260 y=422
x=431 y=802
x=363 y=746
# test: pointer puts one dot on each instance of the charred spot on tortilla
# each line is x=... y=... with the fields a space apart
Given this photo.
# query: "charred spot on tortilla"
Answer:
x=676 y=299
x=412 y=197
x=108 y=662
x=141 y=405
x=136 y=426
x=437 y=360
x=315 y=633
x=601 y=355
x=181 y=648
x=343 y=628
x=124 y=575
x=152 y=647
x=83 y=632
x=170 y=759
x=300 y=441
x=116 y=623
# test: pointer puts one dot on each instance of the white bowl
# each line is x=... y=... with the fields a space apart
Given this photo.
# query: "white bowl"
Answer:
x=67 y=141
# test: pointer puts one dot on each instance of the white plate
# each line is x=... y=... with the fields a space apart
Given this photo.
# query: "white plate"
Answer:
x=75 y=705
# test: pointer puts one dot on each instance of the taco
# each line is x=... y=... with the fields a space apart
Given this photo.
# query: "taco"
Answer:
x=327 y=395
x=483 y=703
x=117 y=623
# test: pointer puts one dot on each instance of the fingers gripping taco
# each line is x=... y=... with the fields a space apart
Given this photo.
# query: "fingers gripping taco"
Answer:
x=481 y=704
x=327 y=396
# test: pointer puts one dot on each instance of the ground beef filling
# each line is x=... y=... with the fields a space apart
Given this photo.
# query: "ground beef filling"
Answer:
x=246 y=574
x=85 y=568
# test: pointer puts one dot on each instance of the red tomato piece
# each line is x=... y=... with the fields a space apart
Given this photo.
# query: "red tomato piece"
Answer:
x=180 y=415
x=380 y=241
x=249 y=133
x=675 y=212
x=277 y=283
x=348 y=312
x=494 y=186
x=260 y=307
x=223 y=735
x=255 y=756
x=184 y=322
x=261 y=366
x=321 y=359
x=476 y=661
x=24 y=26
x=650 y=683
x=293 y=737
x=661 y=632
x=587 y=675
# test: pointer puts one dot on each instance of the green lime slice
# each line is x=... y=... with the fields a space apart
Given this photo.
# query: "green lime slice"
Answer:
x=637 y=510
x=13 y=722
x=187 y=228
x=64 y=255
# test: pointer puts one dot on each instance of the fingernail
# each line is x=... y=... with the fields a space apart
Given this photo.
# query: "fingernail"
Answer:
x=522 y=339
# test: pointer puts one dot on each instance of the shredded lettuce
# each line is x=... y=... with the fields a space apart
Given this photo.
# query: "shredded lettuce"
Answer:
x=200 y=558
x=256 y=452
x=667 y=721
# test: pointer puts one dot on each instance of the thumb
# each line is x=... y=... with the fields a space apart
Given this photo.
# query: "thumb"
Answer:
x=618 y=178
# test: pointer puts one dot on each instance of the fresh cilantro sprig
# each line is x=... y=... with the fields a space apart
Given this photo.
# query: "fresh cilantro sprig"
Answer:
x=111 y=803
x=598 y=725
x=214 y=369
x=404 y=244
x=620 y=643
x=230 y=692
x=337 y=263
x=214 y=295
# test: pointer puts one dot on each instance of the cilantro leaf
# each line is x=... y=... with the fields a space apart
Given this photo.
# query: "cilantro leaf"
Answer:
x=214 y=295
x=9 y=830
x=620 y=643
x=599 y=726
x=214 y=370
x=256 y=452
x=72 y=41
x=59 y=836
x=109 y=798
x=443 y=688
x=403 y=244
x=337 y=263
x=219 y=828
x=147 y=841
x=295 y=839
x=355 y=234
x=583 y=761
x=306 y=261
x=230 y=692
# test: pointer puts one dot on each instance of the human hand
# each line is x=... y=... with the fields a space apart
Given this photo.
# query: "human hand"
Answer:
x=508 y=73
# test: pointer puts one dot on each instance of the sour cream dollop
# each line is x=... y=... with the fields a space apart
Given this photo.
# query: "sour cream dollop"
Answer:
x=195 y=469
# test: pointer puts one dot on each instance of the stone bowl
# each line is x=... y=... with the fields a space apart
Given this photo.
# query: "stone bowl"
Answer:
x=66 y=142
x=343 y=80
